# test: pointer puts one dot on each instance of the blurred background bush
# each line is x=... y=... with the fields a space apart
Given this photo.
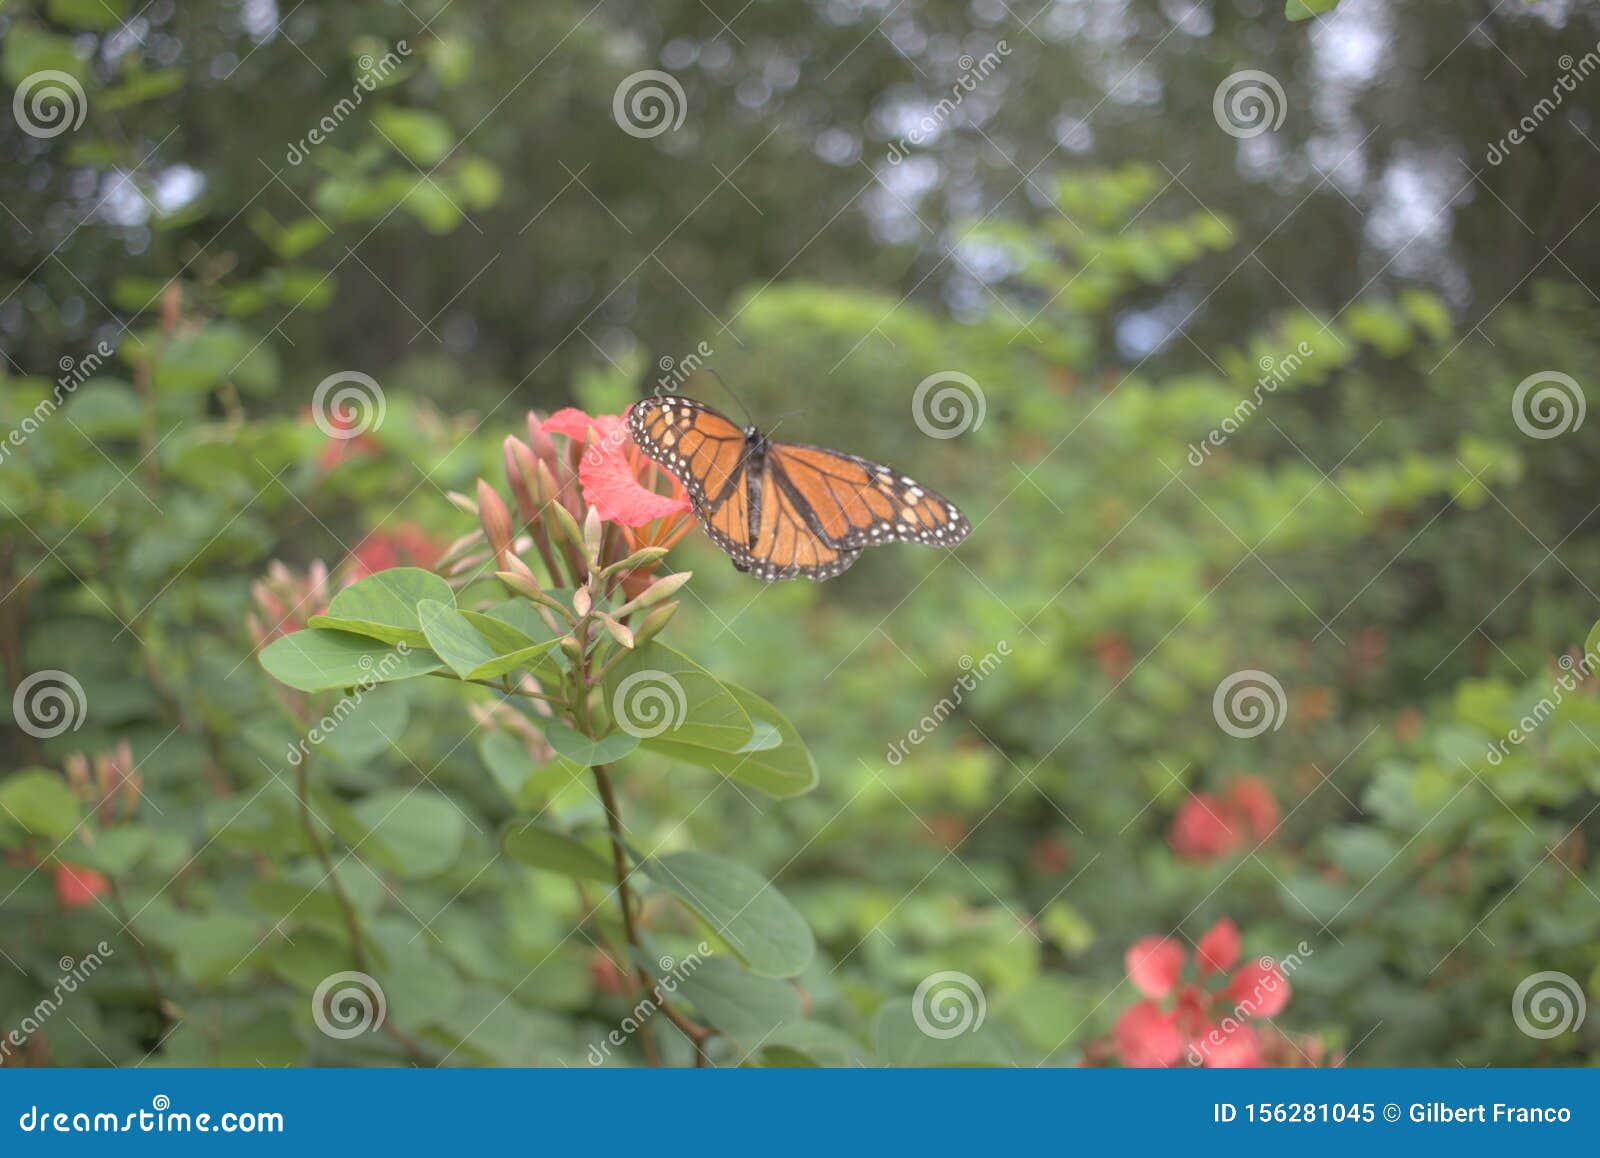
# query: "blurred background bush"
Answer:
x=1248 y=374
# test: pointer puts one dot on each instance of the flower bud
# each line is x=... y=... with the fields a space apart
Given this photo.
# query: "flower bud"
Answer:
x=661 y=589
x=654 y=622
x=522 y=472
x=616 y=630
x=495 y=519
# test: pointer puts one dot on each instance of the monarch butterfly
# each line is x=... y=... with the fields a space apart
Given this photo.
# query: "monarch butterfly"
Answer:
x=781 y=509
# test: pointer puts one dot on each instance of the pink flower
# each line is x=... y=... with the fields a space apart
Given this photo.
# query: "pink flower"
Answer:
x=1219 y=948
x=1210 y=825
x=1149 y=1035
x=1154 y=964
x=594 y=466
x=1148 y=1038
x=612 y=478
x=77 y=886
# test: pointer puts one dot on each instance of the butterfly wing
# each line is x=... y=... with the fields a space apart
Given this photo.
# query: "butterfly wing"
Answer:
x=786 y=543
x=707 y=453
x=801 y=511
x=854 y=503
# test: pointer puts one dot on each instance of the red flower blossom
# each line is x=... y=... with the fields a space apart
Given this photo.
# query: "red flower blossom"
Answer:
x=1154 y=964
x=407 y=545
x=595 y=467
x=611 y=478
x=1208 y=825
x=1149 y=1035
x=77 y=886
x=342 y=445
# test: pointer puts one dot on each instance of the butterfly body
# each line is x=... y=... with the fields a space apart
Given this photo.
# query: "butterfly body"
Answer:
x=786 y=510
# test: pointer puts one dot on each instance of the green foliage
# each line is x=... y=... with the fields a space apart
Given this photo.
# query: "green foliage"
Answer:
x=970 y=764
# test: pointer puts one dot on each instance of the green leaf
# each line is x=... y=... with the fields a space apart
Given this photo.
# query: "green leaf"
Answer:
x=543 y=848
x=662 y=695
x=423 y=136
x=774 y=760
x=580 y=749
x=474 y=654
x=519 y=640
x=961 y=1035
x=528 y=657
x=316 y=659
x=310 y=959
x=384 y=605
x=218 y=947
x=422 y=833
x=366 y=726
x=758 y=922
x=1306 y=9
x=40 y=802
x=741 y=1004
x=96 y=14
x=508 y=762
x=116 y=850
x=456 y=641
x=28 y=49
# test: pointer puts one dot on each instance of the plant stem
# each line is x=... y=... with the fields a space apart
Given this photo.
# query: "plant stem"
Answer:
x=696 y=1033
x=352 y=922
x=119 y=906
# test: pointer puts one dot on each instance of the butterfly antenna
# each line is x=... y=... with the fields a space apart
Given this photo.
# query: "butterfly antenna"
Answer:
x=728 y=390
